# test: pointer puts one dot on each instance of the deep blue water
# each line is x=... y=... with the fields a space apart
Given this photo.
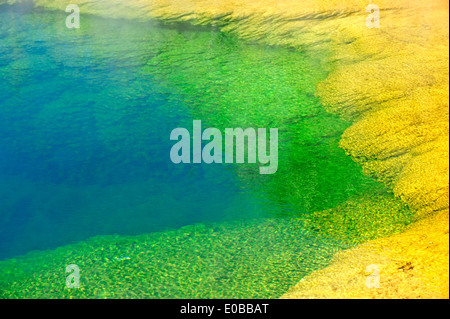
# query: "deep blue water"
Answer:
x=84 y=140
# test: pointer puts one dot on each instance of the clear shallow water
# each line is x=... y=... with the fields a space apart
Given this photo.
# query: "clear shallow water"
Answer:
x=85 y=120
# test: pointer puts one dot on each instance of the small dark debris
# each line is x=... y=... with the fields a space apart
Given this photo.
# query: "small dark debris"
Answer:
x=406 y=267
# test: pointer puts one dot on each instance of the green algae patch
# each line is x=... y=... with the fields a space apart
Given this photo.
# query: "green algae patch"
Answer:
x=259 y=258
x=253 y=259
x=228 y=82
x=362 y=218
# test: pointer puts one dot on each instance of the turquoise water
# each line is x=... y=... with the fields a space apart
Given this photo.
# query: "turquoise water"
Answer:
x=86 y=115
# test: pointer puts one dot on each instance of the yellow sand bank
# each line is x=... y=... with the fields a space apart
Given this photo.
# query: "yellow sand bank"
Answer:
x=392 y=82
x=413 y=264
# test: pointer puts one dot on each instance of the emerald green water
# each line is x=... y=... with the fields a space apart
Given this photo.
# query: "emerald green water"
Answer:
x=85 y=120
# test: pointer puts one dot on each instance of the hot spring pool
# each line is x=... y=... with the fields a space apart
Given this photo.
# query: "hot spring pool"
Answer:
x=85 y=120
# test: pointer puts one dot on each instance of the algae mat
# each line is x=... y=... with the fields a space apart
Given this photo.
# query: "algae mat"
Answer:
x=240 y=260
x=248 y=259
